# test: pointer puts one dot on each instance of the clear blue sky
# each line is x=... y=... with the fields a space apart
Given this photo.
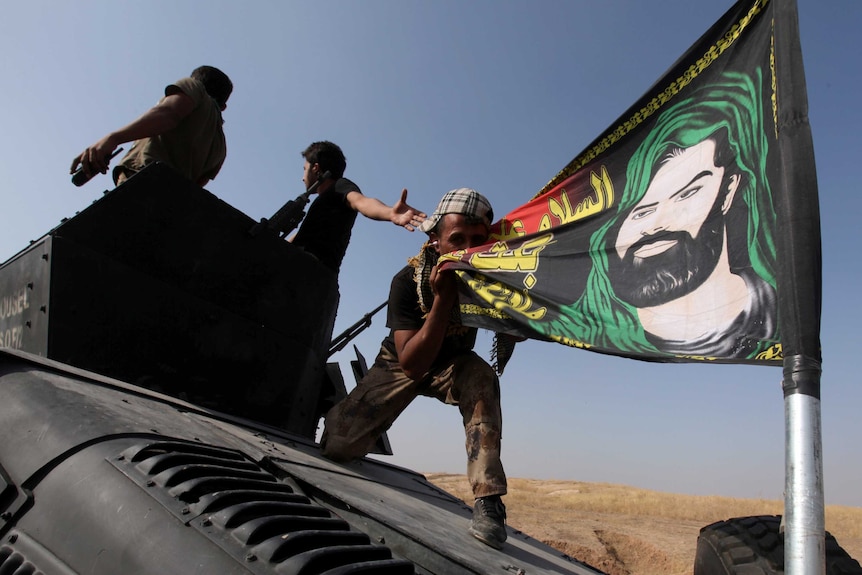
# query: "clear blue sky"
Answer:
x=431 y=96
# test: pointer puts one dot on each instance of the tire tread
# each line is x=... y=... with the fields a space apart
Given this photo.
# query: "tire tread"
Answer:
x=754 y=546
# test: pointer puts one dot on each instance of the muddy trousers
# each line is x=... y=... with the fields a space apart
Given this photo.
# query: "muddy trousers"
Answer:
x=355 y=423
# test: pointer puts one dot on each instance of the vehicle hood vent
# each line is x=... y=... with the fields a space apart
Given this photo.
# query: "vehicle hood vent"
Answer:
x=264 y=522
x=21 y=554
x=13 y=562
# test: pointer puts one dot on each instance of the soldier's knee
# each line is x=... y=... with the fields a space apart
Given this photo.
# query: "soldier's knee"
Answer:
x=339 y=449
x=478 y=369
x=484 y=379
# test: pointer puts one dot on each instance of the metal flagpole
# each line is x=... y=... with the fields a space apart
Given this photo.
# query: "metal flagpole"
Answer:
x=805 y=523
x=799 y=295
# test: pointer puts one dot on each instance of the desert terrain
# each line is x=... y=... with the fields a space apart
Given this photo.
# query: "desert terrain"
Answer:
x=623 y=530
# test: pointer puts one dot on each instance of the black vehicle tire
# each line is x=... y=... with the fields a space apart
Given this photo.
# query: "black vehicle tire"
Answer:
x=754 y=546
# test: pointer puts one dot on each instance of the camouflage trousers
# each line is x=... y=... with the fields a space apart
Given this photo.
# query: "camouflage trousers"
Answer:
x=355 y=423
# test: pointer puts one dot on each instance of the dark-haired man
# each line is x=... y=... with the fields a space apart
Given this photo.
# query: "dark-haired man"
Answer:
x=428 y=352
x=326 y=230
x=184 y=130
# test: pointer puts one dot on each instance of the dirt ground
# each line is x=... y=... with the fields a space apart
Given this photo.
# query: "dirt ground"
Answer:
x=615 y=543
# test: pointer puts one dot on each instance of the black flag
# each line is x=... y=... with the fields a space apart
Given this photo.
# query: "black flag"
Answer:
x=670 y=237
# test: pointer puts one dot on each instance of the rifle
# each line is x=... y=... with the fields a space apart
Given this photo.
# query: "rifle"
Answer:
x=79 y=178
x=351 y=332
x=290 y=214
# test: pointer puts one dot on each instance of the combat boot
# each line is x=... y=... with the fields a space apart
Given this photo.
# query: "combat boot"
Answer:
x=489 y=521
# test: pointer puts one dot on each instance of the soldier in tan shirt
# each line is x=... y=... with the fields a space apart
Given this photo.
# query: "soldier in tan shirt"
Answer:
x=184 y=130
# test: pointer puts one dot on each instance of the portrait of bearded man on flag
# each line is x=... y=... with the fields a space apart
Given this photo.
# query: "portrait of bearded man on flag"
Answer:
x=685 y=265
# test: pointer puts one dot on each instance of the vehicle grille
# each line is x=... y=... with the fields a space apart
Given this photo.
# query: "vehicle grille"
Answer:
x=262 y=521
x=13 y=562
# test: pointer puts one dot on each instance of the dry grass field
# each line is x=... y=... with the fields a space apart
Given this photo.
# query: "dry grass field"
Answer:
x=628 y=531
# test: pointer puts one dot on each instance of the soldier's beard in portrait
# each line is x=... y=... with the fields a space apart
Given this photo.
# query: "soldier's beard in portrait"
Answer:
x=676 y=272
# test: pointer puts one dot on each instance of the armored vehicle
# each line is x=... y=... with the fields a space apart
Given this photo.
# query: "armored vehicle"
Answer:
x=163 y=372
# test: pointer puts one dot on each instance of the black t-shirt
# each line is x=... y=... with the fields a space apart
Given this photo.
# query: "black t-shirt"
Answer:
x=404 y=313
x=325 y=231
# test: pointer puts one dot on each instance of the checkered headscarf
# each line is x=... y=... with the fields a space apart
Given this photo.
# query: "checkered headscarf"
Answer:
x=462 y=201
x=469 y=203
